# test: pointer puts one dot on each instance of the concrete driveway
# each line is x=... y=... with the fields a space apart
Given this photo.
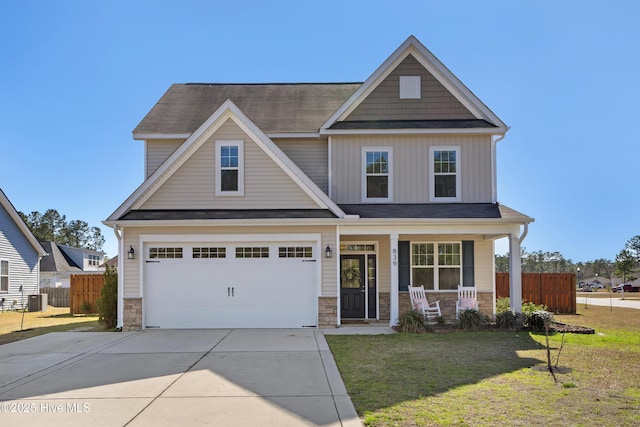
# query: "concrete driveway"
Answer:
x=272 y=377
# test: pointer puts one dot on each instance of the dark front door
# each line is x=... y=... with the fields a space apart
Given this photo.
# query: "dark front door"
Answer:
x=352 y=286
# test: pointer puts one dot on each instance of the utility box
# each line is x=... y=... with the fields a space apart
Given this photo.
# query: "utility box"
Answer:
x=38 y=302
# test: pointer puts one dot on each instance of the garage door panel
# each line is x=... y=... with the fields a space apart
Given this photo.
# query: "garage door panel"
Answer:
x=231 y=293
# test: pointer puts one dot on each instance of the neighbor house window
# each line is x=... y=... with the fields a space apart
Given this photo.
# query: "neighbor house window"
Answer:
x=94 y=259
x=377 y=174
x=436 y=266
x=229 y=168
x=410 y=87
x=4 y=276
x=445 y=174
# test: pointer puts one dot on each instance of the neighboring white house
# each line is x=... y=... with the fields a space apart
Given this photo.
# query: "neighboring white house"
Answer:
x=20 y=254
x=63 y=261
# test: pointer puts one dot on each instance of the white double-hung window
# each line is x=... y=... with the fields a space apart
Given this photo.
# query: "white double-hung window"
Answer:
x=444 y=165
x=229 y=168
x=436 y=266
x=377 y=174
x=4 y=276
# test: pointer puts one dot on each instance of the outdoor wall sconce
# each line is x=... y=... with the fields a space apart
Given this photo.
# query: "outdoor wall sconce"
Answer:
x=327 y=252
x=131 y=254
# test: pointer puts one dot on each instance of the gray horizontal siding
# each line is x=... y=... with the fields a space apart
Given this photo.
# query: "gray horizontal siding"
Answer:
x=23 y=263
x=311 y=156
x=411 y=178
x=157 y=151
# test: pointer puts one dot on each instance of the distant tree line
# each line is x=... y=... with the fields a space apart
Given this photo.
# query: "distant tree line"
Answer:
x=627 y=263
x=51 y=226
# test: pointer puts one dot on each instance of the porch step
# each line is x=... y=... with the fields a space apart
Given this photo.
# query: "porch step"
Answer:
x=355 y=322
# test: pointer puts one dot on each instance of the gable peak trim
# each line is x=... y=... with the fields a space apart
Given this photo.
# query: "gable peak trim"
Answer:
x=412 y=46
x=228 y=110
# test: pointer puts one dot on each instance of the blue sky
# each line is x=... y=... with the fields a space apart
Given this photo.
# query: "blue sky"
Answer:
x=76 y=77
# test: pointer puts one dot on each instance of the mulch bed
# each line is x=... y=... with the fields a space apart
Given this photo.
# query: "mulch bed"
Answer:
x=563 y=327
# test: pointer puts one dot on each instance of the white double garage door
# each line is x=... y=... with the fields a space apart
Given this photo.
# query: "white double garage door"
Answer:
x=227 y=282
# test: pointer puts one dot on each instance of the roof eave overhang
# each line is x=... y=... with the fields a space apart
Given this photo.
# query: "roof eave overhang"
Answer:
x=352 y=220
x=449 y=131
x=146 y=136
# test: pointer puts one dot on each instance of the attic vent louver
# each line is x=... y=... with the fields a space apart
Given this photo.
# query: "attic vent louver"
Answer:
x=409 y=87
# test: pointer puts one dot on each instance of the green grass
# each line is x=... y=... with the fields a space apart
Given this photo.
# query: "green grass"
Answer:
x=486 y=378
x=42 y=322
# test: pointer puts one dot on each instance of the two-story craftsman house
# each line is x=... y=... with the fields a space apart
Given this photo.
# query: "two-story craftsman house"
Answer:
x=308 y=205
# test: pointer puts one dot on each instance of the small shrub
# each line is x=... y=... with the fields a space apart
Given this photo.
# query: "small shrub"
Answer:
x=440 y=320
x=411 y=321
x=503 y=305
x=528 y=308
x=471 y=320
x=510 y=321
x=537 y=320
x=108 y=302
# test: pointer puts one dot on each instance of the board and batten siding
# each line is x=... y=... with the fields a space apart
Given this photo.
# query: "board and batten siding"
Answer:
x=131 y=277
x=435 y=103
x=310 y=155
x=266 y=185
x=411 y=176
x=24 y=265
x=157 y=151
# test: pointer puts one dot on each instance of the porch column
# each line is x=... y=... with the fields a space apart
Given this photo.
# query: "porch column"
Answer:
x=393 y=297
x=515 y=274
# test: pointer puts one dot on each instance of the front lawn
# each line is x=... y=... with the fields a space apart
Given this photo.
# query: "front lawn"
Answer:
x=54 y=319
x=485 y=378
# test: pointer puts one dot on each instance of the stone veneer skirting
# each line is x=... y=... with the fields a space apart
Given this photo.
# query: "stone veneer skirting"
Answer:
x=132 y=320
x=327 y=312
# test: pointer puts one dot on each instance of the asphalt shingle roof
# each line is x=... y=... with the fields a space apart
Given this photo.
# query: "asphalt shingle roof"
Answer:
x=57 y=260
x=433 y=211
x=273 y=107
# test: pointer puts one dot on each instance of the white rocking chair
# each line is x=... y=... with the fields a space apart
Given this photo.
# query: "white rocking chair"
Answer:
x=467 y=299
x=420 y=303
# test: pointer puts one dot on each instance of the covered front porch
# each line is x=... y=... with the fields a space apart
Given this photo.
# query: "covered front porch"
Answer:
x=376 y=264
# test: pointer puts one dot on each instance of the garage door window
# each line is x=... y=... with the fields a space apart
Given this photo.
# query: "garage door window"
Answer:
x=295 y=252
x=165 y=253
x=252 y=252
x=209 y=253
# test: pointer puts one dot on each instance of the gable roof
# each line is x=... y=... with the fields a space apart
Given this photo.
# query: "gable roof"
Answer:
x=228 y=110
x=58 y=260
x=273 y=107
x=13 y=213
x=442 y=74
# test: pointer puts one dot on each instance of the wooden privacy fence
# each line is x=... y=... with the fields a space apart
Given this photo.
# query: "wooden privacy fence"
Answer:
x=56 y=297
x=84 y=291
x=555 y=290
